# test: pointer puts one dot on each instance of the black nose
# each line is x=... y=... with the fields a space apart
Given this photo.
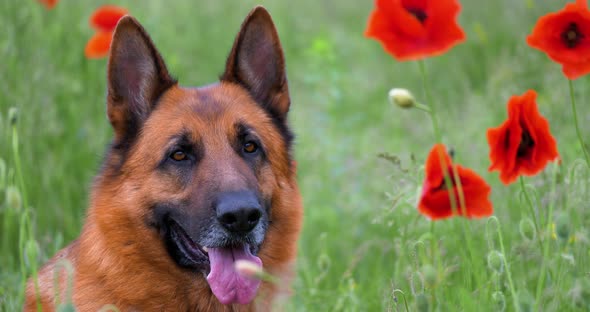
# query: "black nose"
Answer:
x=239 y=212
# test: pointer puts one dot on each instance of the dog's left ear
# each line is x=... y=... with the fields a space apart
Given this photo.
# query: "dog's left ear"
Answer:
x=256 y=62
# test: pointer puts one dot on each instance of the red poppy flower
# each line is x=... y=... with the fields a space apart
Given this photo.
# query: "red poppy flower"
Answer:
x=522 y=145
x=49 y=4
x=98 y=46
x=415 y=29
x=565 y=37
x=104 y=20
x=435 y=201
x=106 y=17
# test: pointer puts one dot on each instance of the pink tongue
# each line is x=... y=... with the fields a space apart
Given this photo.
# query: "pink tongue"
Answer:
x=227 y=285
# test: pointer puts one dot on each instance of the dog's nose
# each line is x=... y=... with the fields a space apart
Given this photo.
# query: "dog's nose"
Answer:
x=239 y=212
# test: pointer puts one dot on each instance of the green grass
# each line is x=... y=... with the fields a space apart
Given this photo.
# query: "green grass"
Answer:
x=363 y=243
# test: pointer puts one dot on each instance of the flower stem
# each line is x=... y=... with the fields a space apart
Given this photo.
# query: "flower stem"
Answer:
x=532 y=211
x=430 y=102
x=541 y=281
x=448 y=169
x=508 y=272
x=573 y=99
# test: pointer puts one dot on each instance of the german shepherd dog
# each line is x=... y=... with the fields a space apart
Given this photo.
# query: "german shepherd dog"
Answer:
x=195 y=179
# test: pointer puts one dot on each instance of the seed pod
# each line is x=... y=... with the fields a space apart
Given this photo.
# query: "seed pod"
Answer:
x=422 y=303
x=526 y=228
x=248 y=269
x=499 y=301
x=496 y=261
x=430 y=275
x=562 y=227
x=13 y=199
x=13 y=115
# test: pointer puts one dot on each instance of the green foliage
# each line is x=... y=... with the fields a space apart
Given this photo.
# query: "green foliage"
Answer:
x=364 y=246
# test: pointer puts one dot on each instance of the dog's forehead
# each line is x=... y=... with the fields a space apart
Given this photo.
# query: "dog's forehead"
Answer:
x=210 y=102
x=210 y=111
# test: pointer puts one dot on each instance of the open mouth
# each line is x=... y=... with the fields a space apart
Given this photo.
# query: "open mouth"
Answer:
x=218 y=263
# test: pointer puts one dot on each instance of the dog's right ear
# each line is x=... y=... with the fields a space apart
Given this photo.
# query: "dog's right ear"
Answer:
x=137 y=76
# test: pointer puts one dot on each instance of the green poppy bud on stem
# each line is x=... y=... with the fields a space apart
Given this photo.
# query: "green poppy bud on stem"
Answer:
x=2 y=174
x=499 y=301
x=248 y=269
x=430 y=276
x=32 y=252
x=422 y=303
x=496 y=261
x=13 y=198
x=562 y=227
x=13 y=115
x=402 y=98
x=525 y=301
x=252 y=270
x=526 y=228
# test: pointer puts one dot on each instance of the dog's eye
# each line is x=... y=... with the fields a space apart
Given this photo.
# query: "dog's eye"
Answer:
x=178 y=155
x=250 y=147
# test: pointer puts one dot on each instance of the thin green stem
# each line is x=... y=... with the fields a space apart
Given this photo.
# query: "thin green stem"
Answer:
x=532 y=211
x=430 y=102
x=445 y=166
x=508 y=272
x=465 y=225
x=431 y=110
x=578 y=132
x=25 y=222
x=547 y=240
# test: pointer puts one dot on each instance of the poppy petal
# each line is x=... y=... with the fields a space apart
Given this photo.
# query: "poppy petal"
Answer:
x=438 y=158
x=105 y=18
x=575 y=71
x=49 y=4
x=98 y=46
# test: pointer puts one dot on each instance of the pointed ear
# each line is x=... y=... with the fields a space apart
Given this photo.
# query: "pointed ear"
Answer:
x=256 y=62
x=137 y=76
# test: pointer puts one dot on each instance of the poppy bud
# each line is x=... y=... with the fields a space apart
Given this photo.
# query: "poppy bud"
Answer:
x=499 y=301
x=496 y=261
x=13 y=198
x=248 y=269
x=402 y=98
x=2 y=173
x=527 y=229
x=324 y=262
x=525 y=301
x=32 y=252
x=430 y=276
x=13 y=115
x=581 y=293
x=562 y=227
x=422 y=304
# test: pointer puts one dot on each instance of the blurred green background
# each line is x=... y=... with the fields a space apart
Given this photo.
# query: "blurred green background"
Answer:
x=363 y=237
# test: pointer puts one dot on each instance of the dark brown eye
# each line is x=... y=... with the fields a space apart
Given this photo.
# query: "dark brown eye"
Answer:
x=250 y=147
x=178 y=156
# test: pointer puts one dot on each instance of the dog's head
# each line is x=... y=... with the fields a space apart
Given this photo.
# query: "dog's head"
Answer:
x=202 y=167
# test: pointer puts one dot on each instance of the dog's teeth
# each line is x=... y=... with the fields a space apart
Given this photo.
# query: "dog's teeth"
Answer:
x=205 y=249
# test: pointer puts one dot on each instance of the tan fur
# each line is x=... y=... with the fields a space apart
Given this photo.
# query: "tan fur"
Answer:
x=120 y=260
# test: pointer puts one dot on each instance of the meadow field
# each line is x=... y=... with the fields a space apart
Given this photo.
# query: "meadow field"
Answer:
x=364 y=245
